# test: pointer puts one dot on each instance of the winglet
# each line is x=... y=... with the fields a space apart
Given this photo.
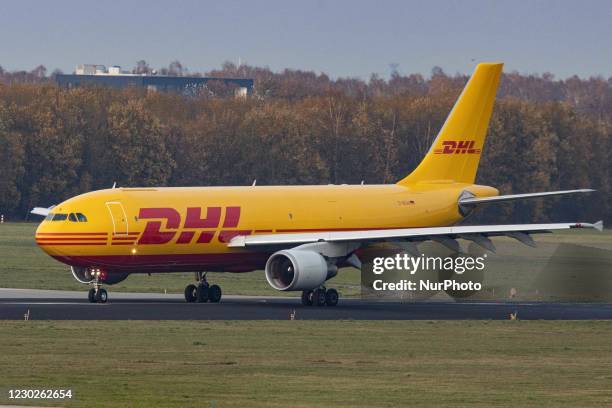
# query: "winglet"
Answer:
x=596 y=225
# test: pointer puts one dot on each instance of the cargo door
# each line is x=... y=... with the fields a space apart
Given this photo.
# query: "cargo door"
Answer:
x=119 y=217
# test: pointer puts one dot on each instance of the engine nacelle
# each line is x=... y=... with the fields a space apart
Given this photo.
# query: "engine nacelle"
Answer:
x=295 y=269
x=87 y=275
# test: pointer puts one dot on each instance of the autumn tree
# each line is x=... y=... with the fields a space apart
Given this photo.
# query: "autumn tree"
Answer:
x=301 y=127
x=136 y=151
x=11 y=163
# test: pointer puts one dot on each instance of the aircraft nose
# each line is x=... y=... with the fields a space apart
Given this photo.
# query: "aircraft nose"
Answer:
x=46 y=237
x=40 y=234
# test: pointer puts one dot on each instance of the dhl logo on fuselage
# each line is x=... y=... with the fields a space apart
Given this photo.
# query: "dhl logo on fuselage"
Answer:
x=457 y=147
x=205 y=228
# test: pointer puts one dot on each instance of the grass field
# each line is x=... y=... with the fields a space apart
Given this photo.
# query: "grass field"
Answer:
x=515 y=266
x=301 y=364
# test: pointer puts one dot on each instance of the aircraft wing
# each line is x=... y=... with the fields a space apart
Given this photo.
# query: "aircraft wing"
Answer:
x=476 y=233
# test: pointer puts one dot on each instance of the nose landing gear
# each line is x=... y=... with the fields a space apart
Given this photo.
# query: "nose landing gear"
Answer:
x=320 y=297
x=94 y=276
x=97 y=294
x=202 y=292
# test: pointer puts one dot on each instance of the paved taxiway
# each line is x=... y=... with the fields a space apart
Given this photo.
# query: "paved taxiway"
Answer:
x=68 y=305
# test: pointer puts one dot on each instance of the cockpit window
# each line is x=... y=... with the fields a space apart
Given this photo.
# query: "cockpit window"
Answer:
x=73 y=217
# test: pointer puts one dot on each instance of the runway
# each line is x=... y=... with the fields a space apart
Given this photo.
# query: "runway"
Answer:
x=67 y=305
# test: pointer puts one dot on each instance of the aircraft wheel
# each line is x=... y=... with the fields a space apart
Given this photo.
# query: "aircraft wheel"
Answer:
x=307 y=298
x=318 y=297
x=202 y=294
x=214 y=293
x=101 y=296
x=331 y=297
x=191 y=293
x=91 y=295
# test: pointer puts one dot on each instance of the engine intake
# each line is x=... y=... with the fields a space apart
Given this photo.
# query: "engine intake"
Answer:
x=297 y=270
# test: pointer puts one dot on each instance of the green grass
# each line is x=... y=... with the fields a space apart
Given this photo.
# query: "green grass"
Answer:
x=516 y=266
x=302 y=364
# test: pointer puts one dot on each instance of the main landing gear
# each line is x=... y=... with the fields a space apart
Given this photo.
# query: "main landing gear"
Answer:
x=320 y=297
x=202 y=292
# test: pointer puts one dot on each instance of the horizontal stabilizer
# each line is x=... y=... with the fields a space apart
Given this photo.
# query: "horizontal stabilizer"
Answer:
x=473 y=201
x=42 y=211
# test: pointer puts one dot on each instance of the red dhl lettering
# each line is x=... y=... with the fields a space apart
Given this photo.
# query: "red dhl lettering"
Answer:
x=165 y=225
x=457 y=147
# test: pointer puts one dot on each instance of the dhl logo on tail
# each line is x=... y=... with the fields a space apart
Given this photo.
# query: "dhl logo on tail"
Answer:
x=458 y=147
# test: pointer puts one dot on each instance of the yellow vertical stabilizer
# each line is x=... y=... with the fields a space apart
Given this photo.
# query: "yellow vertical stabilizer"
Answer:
x=455 y=153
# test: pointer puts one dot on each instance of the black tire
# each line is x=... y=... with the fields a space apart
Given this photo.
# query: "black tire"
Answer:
x=91 y=295
x=101 y=296
x=202 y=294
x=307 y=298
x=190 y=293
x=214 y=293
x=318 y=297
x=331 y=297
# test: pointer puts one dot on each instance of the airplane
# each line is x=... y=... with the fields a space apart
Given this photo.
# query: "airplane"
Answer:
x=299 y=235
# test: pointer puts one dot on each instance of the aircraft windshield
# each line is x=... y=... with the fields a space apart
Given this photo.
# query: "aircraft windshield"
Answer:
x=76 y=217
x=60 y=217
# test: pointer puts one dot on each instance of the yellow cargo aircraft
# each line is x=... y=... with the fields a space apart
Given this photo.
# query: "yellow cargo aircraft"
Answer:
x=300 y=235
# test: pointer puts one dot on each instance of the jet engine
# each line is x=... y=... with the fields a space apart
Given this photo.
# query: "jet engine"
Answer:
x=87 y=275
x=295 y=269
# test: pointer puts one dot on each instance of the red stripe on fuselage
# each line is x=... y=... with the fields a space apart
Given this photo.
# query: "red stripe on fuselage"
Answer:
x=230 y=262
x=69 y=239
x=60 y=240
x=70 y=243
x=71 y=233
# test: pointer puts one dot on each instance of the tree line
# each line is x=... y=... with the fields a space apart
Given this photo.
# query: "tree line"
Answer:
x=301 y=127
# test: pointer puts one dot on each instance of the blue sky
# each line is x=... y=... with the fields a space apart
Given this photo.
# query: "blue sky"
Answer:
x=342 y=38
